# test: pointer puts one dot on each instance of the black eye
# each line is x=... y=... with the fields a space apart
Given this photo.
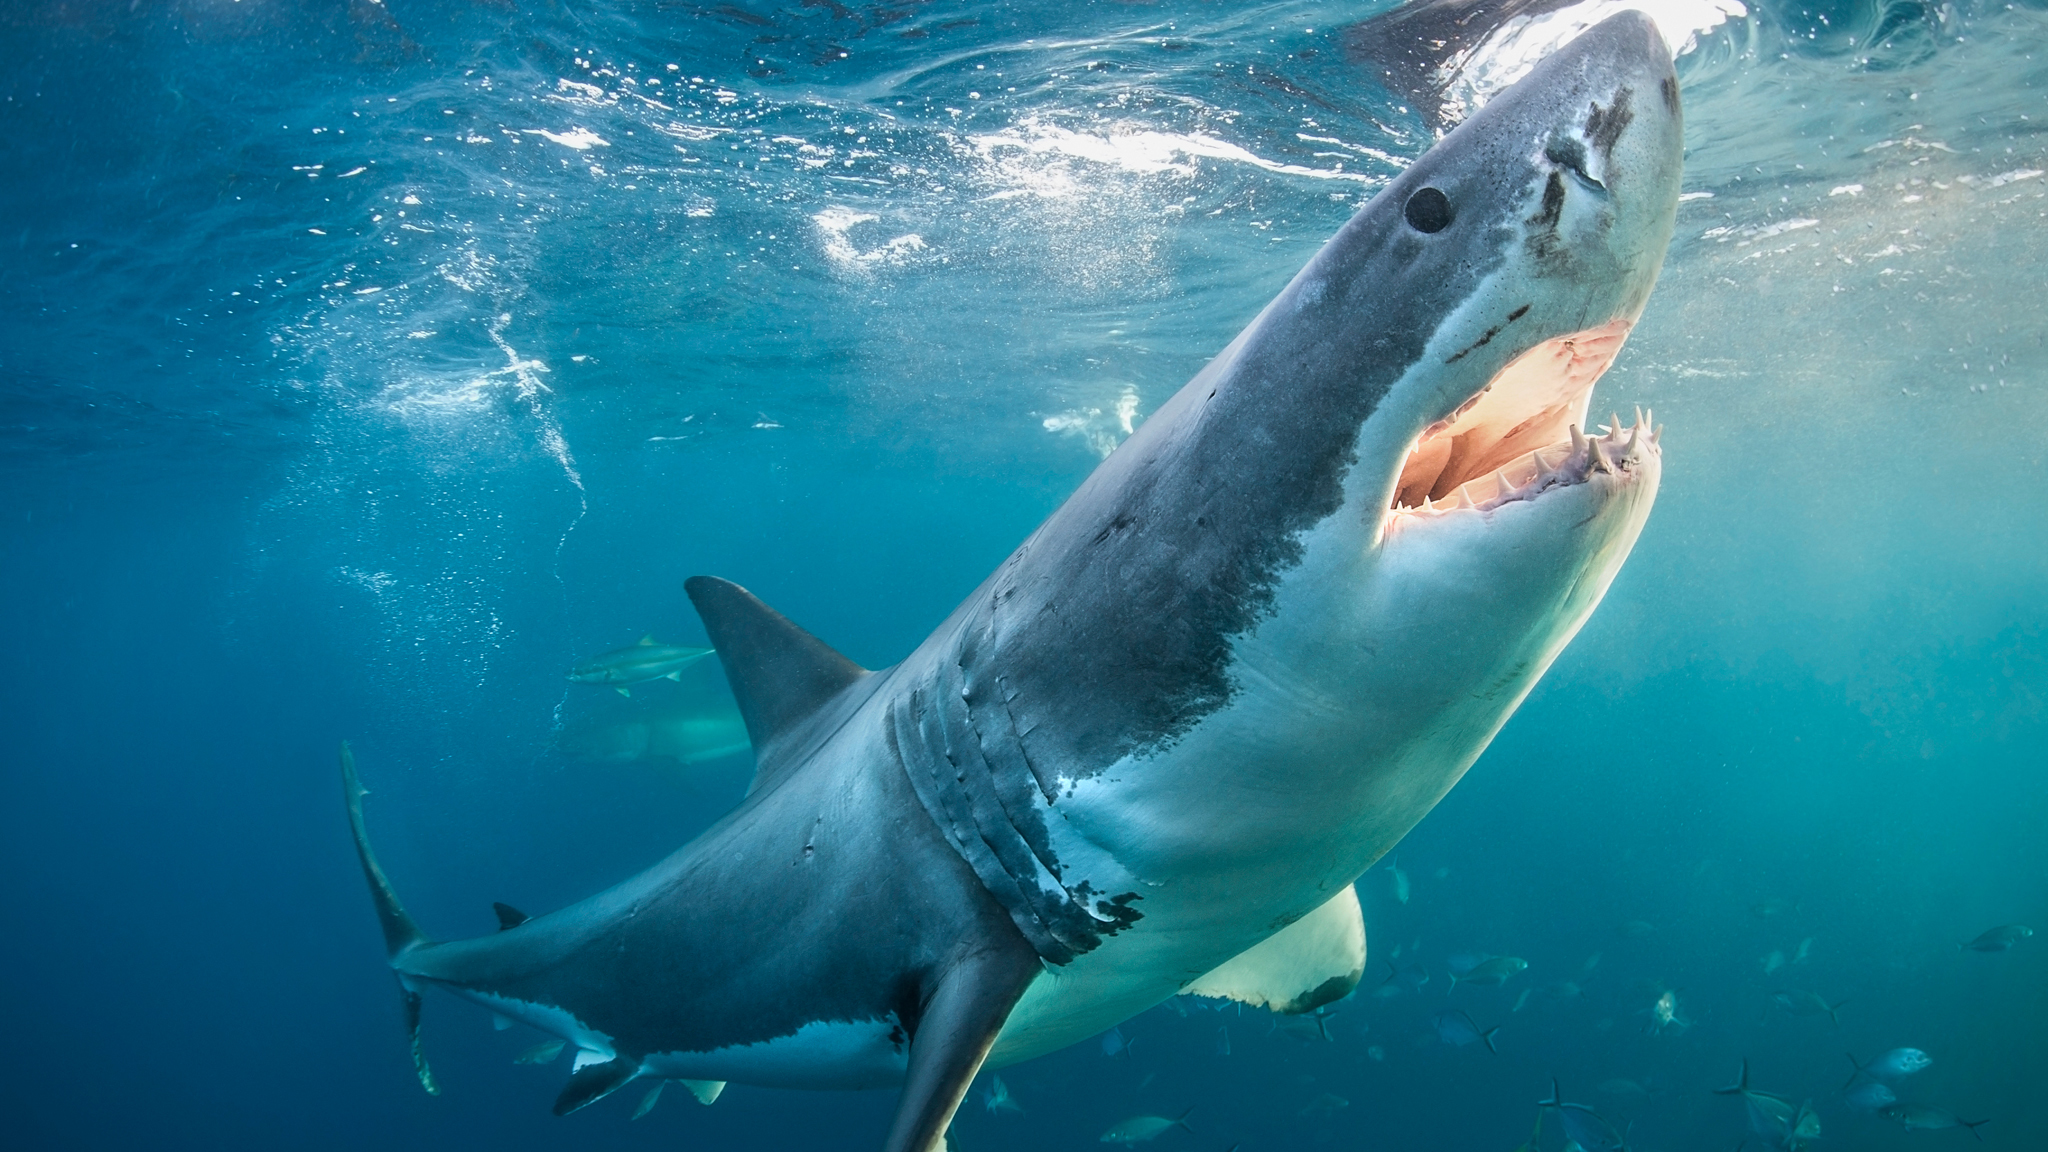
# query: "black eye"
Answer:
x=1429 y=210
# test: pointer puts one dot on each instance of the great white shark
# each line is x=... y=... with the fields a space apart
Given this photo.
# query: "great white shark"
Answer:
x=1153 y=750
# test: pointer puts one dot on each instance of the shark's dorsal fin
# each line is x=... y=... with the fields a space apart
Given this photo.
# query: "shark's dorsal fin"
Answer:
x=647 y=641
x=779 y=672
x=508 y=916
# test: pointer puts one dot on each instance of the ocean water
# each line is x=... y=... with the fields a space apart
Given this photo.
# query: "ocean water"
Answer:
x=365 y=365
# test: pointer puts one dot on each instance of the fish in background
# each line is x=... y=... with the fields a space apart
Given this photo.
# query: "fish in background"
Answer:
x=1804 y=950
x=686 y=726
x=1115 y=1044
x=1772 y=908
x=636 y=665
x=1401 y=887
x=1307 y=1027
x=1664 y=1015
x=1928 y=1118
x=1891 y=1067
x=1143 y=1129
x=1223 y=1040
x=1803 y=1004
x=2000 y=939
x=1520 y=1000
x=1583 y=1126
x=1870 y=1096
x=1324 y=1106
x=1457 y=1029
x=1635 y=929
x=541 y=1053
x=1773 y=961
x=1563 y=990
x=1773 y=1117
x=1401 y=981
x=997 y=1098
x=1495 y=970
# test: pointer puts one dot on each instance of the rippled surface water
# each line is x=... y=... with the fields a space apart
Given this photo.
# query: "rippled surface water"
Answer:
x=363 y=365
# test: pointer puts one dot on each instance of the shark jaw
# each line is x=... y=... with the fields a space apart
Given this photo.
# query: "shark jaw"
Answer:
x=1524 y=436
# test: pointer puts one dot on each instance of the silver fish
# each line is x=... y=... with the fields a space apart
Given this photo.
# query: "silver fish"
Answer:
x=1926 y=1117
x=1583 y=1126
x=998 y=1099
x=1141 y=1129
x=1494 y=970
x=1892 y=1066
x=1800 y=1003
x=541 y=1053
x=1455 y=1028
x=2000 y=939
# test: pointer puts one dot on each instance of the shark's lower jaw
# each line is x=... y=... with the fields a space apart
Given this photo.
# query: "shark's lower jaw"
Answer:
x=1522 y=436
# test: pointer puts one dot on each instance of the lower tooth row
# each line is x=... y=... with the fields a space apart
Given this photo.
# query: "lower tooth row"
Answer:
x=1595 y=460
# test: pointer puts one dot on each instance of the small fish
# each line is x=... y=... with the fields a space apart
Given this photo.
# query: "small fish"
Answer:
x=1563 y=990
x=1520 y=1000
x=1804 y=950
x=1773 y=961
x=541 y=1053
x=998 y=1099
x=1869 y=1096
x=1223 y=1040
x=1457 y=1029
x=648 y=1101
x=1495 y=971
x=1591 y=963
x=1806 y=1125
x=2000 y=939
x=1325 y=1106
x=1664 y=1015
x=1802 y=1004
x=1636 y=929
x=1583 y=1126
x=1772 y=908
x=1892 y=1066
x=1401 y=888
x=1771 y=1117
x=1114 y=1044
x=1376 y=1052
x=1310 y=1027
x=1140 y=1129
x=1926 y=1117
x=642 y=662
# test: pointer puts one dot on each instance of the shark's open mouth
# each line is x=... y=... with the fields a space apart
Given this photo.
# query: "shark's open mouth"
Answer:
x=1523 y=434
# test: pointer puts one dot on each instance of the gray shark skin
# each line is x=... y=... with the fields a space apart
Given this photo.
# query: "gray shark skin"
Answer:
x=1249 y=653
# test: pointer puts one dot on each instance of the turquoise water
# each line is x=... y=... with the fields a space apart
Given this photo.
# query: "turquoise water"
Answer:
x=364 y=366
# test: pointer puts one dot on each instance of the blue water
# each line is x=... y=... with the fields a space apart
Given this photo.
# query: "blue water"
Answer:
x=364 y=365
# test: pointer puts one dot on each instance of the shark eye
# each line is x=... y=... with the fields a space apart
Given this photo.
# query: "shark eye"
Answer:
x=1429 y=210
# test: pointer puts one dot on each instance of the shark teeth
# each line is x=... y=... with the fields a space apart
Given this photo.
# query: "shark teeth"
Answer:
x=1616 y=450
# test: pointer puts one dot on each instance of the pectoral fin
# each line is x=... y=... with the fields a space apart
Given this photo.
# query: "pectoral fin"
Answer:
x=958 y=1026
x=626 y=692
x=705 y=1091
x=1311 y=962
